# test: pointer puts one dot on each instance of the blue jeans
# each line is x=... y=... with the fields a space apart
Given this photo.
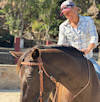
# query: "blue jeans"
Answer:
x=96 y=66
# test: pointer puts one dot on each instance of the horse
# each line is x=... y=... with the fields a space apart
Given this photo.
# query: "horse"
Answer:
x=56 y=74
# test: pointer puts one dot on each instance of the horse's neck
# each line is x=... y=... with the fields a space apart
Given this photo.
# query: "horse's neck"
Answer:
x=66 y=69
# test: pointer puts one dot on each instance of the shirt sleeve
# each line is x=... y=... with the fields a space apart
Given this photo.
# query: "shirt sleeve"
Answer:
x=93 y=32
x=61 y=36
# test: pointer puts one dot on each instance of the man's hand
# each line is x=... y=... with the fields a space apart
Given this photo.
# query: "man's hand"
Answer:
x=90 y=47
x=86 y=51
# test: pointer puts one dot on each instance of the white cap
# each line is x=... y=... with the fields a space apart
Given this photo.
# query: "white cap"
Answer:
x=66 y=6
x=67 y=3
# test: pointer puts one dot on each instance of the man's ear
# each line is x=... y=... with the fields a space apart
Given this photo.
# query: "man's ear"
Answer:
x=16 y=54
x=77 y=9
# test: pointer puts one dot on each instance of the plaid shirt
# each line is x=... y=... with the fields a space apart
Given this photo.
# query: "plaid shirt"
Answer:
x=79 y=37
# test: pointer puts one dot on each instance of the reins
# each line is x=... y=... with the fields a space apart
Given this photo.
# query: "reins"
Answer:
x=42 y=69
x=78 y=93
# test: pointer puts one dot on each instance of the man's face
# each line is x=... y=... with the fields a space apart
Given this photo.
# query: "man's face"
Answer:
x=70 y=14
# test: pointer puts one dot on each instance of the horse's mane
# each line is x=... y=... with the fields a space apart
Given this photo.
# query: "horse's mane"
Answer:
x=66 y=49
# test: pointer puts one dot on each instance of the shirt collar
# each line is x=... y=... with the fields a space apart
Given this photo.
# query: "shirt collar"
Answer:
x=80 y=20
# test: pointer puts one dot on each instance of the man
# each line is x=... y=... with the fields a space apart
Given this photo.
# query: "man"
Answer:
x=78 y=31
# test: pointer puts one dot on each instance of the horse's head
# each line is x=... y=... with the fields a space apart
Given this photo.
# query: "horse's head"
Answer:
x=28 y=56
x=28 y=68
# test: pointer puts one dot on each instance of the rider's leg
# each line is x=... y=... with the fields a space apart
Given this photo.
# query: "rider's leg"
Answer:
x=96 y=66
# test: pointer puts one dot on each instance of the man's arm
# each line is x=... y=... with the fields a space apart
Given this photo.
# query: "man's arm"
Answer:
x=93 y=37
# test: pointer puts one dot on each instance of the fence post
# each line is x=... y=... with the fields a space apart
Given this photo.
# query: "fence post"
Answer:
x=17 y=46
x=48 y=42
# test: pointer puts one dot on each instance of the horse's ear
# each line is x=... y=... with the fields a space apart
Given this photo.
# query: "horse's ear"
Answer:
x=35 y=53
x=16 y=54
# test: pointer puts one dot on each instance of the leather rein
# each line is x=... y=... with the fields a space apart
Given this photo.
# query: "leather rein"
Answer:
x=42 y=69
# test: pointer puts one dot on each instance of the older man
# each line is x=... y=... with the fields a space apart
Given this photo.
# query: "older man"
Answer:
x=78 y=31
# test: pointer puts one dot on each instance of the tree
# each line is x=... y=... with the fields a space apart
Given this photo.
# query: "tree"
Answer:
x=42 y=16
x=19 y=15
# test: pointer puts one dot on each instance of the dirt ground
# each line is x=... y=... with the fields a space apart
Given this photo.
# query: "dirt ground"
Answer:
x=9 y=95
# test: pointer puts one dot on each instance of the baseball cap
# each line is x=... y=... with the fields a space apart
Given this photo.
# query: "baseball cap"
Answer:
x=66 y=6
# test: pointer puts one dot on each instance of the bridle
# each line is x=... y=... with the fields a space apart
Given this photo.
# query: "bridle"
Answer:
x=42 y=69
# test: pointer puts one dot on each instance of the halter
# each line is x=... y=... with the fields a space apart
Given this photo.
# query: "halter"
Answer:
x=42 y=69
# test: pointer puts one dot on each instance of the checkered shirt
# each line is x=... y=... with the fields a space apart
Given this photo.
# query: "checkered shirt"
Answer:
x=79 y=37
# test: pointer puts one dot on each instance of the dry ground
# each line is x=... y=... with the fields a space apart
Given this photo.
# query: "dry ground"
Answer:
x=9 y=95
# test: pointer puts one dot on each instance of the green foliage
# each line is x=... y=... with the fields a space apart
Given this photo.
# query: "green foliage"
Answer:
x=97 y=22
x=83 y=4
x=39 y=15
x=98 y=5
x=37 y=26
x=20 y=13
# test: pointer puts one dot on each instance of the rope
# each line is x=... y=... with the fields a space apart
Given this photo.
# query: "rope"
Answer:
x=85 y=85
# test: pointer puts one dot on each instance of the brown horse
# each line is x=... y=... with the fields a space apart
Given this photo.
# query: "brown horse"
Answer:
x=72 y=72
